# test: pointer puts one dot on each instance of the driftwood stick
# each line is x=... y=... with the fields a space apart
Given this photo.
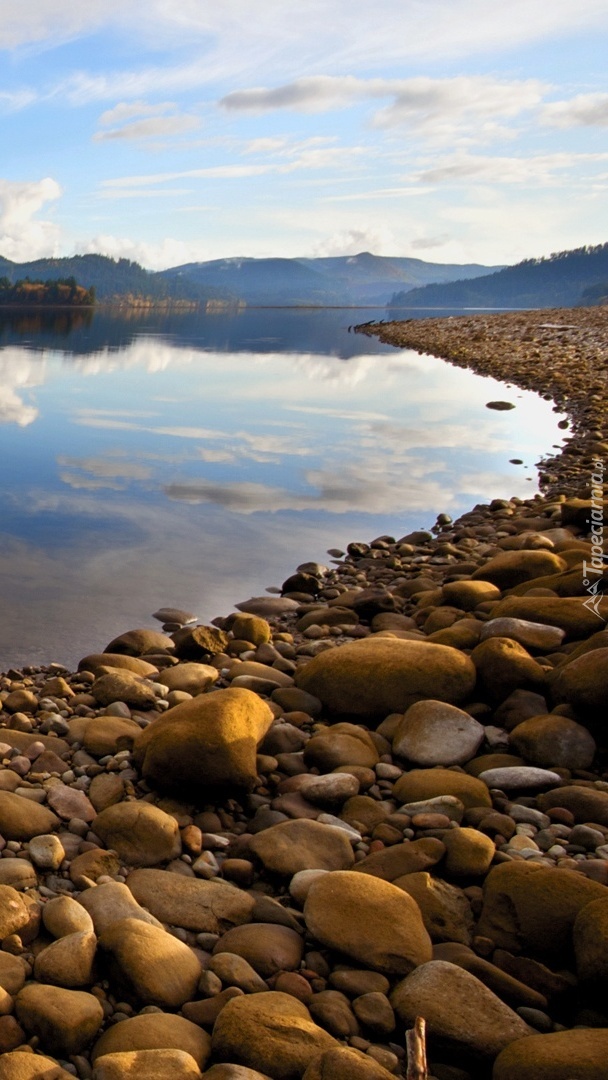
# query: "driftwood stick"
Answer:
x=415 y=1045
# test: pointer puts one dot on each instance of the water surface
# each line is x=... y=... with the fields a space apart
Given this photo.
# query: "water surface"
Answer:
x=193 y=460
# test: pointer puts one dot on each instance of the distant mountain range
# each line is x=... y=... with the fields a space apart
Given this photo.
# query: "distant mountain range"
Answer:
x=347 y=279
x=565 y=279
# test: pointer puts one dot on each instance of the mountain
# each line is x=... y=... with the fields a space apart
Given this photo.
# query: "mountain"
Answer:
x=564 y=279
x=348 y=279
x=117 y=280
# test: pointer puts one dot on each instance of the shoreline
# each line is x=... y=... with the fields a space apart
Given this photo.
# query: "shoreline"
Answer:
x=412 y=817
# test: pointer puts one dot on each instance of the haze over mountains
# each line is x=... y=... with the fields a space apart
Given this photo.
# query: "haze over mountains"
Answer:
x=563 y=279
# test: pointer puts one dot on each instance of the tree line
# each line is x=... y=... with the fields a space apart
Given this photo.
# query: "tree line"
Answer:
x=58 y=292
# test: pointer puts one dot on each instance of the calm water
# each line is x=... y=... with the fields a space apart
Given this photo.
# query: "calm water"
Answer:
x=195 y=460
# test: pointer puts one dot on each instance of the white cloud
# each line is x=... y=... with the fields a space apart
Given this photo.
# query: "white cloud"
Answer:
x=585 y=110
x=540 y=169
x=23 y=235
x=353 y=241
x=151 y=127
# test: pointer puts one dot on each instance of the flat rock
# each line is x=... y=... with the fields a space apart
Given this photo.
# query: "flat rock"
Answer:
x=462 y=1015
x=531 y=635
x=342 y=744
x=398 y=859
x=268 y=606
x=377 y=676
x=190 y=677
x=123 y=686
x=519 y=778
x=514 y=567
x=566 y=612
x=395 y=940
x=202 y=906
x=435 y=733
x=424 y=784
x=108 y=735
x=174 y=615
x=210 y=740
x=301 y=844
x=140 y=642
x=102 y=663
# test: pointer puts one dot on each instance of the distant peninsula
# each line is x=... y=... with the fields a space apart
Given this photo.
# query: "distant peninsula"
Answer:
x=58 y=292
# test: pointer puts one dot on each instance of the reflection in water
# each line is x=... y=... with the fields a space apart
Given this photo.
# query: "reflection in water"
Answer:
x=147 y=466
x=56 y=322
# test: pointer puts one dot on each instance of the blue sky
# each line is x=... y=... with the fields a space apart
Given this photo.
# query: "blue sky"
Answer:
x=447 y=130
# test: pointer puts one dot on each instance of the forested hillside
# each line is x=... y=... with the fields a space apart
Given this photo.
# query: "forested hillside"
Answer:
x=559 y=280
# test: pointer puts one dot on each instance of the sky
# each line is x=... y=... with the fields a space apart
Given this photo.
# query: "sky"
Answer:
x=445 y=130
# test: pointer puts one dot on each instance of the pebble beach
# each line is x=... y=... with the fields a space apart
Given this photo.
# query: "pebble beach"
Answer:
x=260 y=849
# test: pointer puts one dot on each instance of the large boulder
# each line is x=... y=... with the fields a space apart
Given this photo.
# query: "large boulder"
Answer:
x=369 y=920
x=271 y=1032
x=463 y=1017
x=377 y=676
x=532 y=907
x=553 y=741
x=22 y=819
x=514 y=567
x=208 y=741
x=203 y=906
x=152 y=965
x=566 y=612
x=65 y=1021
x=434 y=733
x=154 y=1031
x=560 y=1055
x=583 y=684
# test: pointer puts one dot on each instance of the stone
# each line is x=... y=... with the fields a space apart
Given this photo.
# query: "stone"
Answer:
x=102 y=663
x=112 y=902
x=191 y=677
x=503 y=666
x=65 y=1021
x=467 y=595
x=343 y=744
x=434 y=733
x=332 y=1010
x=339 y=904
x=140 y=642
x=514 y=567
x=519 y=778
x=22 y=819
x=93 y=864
x=123 y=686
x=356 y=982
x=46 y=852
x=19 y=1065
x=269 y=948
x=155 y=967
x=13 y=972
x=234 y=970
x=426 y=784
x=19 y=873
x=247 y=627
x=109 y=734
x=174 y=615
x=234 y=1072
x=106 y=789
x=202 y=906
x=554 y=741
x=566 y=612
x=462 y=1015
x=585 y=804
x=14 y=912
x=272 y=1033
x=377 y=676
x=141 y=834
x=407 y=858
x=516 y=993
x=69 y=802
x=560 y=1055
x=445 y=909
x=333 y=789
x=301 y=844
x=210 y=740
x=154 y=1031
x=62 y=916
x=363 y=813
x=346 y=1063
x=527 y=906
x=583 y=684
x=469 y=853
x=198 y=643
x=590 y=937
x=68 y=961
x=532 y=635
x=268 y=606
x=153 y=1064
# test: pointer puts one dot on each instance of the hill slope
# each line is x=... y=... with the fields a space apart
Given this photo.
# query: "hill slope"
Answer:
x=556 y=281
x=352 y=279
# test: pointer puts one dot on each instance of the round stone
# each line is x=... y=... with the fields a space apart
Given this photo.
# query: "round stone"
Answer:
x=435 y=733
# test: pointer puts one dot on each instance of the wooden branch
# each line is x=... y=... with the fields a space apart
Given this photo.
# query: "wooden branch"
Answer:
x=415 y=1045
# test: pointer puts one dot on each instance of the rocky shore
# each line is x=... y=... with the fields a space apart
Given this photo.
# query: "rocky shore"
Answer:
x=262 y=848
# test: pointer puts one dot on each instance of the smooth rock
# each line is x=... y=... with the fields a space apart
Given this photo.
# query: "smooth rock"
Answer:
x=519 y=778
x=301 y=844
x=19 y=1065
x=202 y=906
x=469 y=853
x=65 y=1020
x=339 y=904
x=123 y=686
x=140 y=642
x=14 y=912
x=346 y=1063
x=425 y=784
x=341 y=745
x=143 y=835
x=68 y=961
x=553 y=740
x=560 y=1055
x=191 y=677
x=269 y=948
x=62 y=916
x=514 y=567
x=151 y=1064
x=155 y=1031
x=156 y=967
x=583 y=684
x=445 y=909
x=531 y=635
x=22 y=819
x=434 y=733
x=112 y=902
x=109 y=734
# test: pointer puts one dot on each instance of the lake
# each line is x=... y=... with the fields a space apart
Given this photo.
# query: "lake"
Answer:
x=193 y=460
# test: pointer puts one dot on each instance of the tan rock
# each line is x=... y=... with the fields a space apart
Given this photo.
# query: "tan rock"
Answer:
x=210 y=740
x=110 y=734
x=123 y=686
x=157 y=968
x=554 y=741
x=561 y=1055
x=392 y=862
x=346 y=1063
x=140 y=642
x=203 y=906
x=251 y=628
x=22 y=819
x=445 y=909
x=342 y=744
x=272 y=1033
x=503 y=665
x=110 y=903
x=14 y=912
x=101 y=663
x=191 y=677
x=590 y=936
x=566 y=612
x=297 y=845
x=68 y=961
x=586 y=804
x=155 y=1031
x=62 y=916
x=153 y=1064
x=530 y=906
x=13 y=972
x=377 y=676
x=419 y=784
x=19 y=1065
x=93 y=864
x=269 y=948
x=339 y=904
x=106 y=789
x=469 y=853
x=583 y=683
x=466 y=1018
x=469 y=594
x=513 y=567
x=65 y=1020
x=141 y=834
